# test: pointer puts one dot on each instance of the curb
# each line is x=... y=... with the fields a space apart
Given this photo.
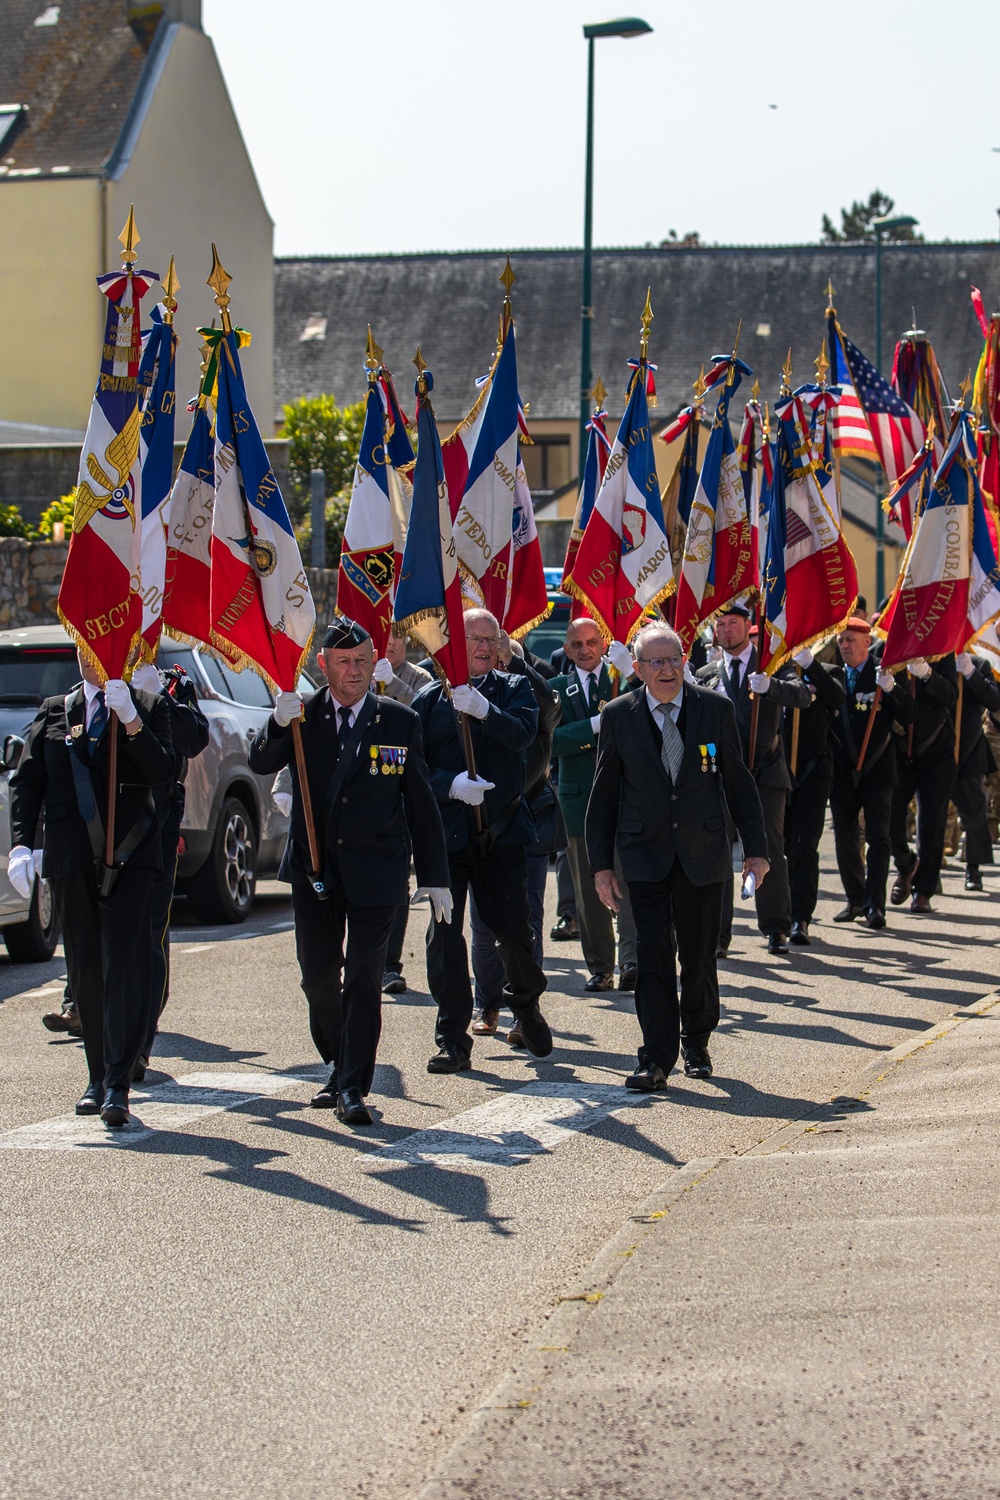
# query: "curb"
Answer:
x=456 y=1473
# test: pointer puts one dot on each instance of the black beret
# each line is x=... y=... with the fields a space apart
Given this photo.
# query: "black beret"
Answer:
x=342 y=633
x=737 y=609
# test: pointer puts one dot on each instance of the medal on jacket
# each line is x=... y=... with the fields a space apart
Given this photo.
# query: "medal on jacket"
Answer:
x=393 y=758
x=708 y=753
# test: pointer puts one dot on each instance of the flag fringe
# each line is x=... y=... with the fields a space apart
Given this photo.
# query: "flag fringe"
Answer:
x=522 y=630
x=240 y=661
x=820 y=638
x=84 y=647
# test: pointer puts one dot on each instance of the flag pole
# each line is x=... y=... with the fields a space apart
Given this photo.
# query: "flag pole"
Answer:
x=373 y=363
x=786 y=390
x=876 y=703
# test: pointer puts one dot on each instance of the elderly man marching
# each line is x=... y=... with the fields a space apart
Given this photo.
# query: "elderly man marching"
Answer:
x=368 y=785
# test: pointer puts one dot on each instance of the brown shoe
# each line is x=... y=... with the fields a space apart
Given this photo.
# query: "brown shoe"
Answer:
x=921 y=904
x=902 y=885
x=486 y=1023
x=67 y=1019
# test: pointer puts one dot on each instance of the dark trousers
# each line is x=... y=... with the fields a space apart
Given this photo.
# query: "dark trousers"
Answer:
x=804 y=819
x=397 y=937
x=343 y=986
x=163 y=897
x=565 y=889
x=487 y=965
x=931 y=783
x=662 y=909
x=773 y=898
x=498 y=882
x=864 y=881
x=108 y=946
x=597 y=928
x=969 y=797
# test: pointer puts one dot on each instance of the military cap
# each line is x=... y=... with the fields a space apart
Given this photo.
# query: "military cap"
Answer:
x=342 y=633
x=857 y=623
x=742 y=610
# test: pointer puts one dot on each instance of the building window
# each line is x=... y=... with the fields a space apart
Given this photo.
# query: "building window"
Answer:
x=547 y=464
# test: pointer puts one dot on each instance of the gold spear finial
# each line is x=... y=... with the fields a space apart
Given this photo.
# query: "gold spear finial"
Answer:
x=219 y=279
x=129 y=238
x=929 y=439
x=599 y=395
x=964 y=389
x=755 y=391
x=373 y=357
x=822 y=365
x=786 y=375
x=731 y=377
x=699 y=387
x=170 y=286
x=646 y=319
x=829 y=296
x=507 y=278
x=418 y=360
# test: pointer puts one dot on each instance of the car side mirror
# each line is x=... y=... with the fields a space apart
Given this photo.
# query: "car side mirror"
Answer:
x=12 y=747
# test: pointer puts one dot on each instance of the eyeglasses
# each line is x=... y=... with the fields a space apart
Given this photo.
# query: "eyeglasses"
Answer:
x=659 y=662
x=483 y=640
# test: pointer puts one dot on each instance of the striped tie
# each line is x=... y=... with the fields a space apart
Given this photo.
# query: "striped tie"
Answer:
x=672 y=748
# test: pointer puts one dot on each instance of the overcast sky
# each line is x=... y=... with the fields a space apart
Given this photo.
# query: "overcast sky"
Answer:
x=383 y=126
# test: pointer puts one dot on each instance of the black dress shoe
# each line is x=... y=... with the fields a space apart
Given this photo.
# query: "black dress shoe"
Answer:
x=139 y=1071
x=393 y=983
x=534 y=1029
x=628 y=977
x=326 y=1097
x=973 y=878
x=566 y=930
x=646 y=1079
x=90 y=1100
x=800 y=934
x=777 y=943
x=598 y=982
x=114 y=1110
x=850 y=913
x=874 y=918
x=449 y=1060
x=697 y=1064
x=352 y=1109
x=902 y=884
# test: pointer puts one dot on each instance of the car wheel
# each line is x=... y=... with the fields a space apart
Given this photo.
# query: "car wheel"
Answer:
x=34 y=941
x=222 y=890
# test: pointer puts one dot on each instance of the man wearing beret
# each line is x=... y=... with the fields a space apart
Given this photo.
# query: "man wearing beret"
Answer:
x=371 y=800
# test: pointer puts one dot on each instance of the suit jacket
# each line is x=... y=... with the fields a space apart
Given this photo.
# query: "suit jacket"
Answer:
x=654 y=822
x=849 y=723
x=44 y=777
x=786 y=691
x=980 y=691
x=575 y=743
x=539 y=792
x=827 y=689
x=367 y=825
x=500 y=743
x=934 y=700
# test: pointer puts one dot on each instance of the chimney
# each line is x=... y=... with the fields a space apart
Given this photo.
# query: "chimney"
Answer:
x=144 y=16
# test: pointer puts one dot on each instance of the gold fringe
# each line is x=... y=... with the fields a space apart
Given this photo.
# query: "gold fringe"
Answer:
x=240 y=661
x=473 y=412
x=571 y=587
x=84 y=647
x=522 y=630
x=118 y=383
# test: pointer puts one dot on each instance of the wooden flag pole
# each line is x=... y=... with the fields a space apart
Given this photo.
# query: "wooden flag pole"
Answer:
x=306 y=794
x=470 y=765
x=909 y=728
x=958 y=717
x=755 y=705
x=109 y=827
x=876 y=703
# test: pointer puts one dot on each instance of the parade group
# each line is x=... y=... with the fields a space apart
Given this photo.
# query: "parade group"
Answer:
x=721 y=684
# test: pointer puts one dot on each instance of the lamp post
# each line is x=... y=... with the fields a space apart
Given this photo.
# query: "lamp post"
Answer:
x=628 y=26
x=885 y=223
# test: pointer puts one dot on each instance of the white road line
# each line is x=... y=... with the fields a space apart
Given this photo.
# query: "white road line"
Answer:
x=163 y=1106
x=177 y=948
x=43 y=990
x=511 y=1128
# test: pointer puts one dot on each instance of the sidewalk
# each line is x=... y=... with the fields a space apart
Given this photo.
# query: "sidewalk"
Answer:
x=818 y=1319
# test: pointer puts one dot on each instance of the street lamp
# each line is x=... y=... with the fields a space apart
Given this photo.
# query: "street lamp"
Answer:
x=628 y=26
x=884 y=224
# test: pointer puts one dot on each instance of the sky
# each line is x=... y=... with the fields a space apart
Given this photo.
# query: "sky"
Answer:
x=376 y=126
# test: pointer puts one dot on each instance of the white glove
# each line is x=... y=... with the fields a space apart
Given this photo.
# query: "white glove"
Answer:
x=287 y=708
x=383 y=671
x=760 y=682
x=283 y=802
x=595 y=724
x=441 y=901
x=464 y=789
x=803 y=658
x=469 y=700
x=965 y=664
x=21 y=870
x=619 y=657
x=147 y=679
x=119 y=700
x=689 y=676
x=918 y=668
x=886 y=681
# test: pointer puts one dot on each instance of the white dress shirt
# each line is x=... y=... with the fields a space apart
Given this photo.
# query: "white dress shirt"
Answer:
x=673 y=707
x=743 y=657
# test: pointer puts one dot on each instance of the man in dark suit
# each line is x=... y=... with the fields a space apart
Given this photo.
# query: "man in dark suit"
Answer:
x=484 y=854
x=810 y=766
x=980 y=694
x=583 y=692
x=370 y=795
x=867 y=791
x=926 y=770
x=669 y=764
x=105 y=917
x=736 y=677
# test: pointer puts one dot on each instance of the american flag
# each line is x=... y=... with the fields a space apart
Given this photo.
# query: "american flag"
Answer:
x=871 y=420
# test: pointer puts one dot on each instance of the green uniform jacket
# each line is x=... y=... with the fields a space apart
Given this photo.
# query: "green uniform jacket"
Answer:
x=575 y=743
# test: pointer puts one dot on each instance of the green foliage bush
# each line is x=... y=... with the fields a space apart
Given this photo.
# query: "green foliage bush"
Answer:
x=12 y=523
x=322 y=435
x=59 y=510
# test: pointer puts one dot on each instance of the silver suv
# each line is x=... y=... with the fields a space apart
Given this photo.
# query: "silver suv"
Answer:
x=232 y=831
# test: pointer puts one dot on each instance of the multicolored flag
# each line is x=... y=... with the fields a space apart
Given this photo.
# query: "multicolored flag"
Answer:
x=917 y=379
x=986 y=397
x=895 y=432
x=262 y=613
x=598 y=448
x=984 y=570
x=927 y=614
x=623 y=566
x=98 y=602
x=187 y=586
x=428 y=602
x=157 y=376
x=905 y=502
x=528 y=604
x=718 y=566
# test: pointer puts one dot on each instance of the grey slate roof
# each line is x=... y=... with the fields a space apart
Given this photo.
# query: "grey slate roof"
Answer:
x=449 y=304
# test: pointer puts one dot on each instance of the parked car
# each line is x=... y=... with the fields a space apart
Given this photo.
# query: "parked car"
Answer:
x=232 y=832
x=550 y=635
x=30 y=929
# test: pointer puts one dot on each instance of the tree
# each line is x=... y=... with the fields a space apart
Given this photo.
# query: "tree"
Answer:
x=856 y=223
x=322 y=435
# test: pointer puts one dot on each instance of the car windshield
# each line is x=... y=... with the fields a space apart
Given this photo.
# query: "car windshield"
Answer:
x=37 y=672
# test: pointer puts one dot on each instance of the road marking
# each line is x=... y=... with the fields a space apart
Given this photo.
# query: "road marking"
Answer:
x=163 y=1106
x=510 y=1129
x=176 y=948
x=43 y=990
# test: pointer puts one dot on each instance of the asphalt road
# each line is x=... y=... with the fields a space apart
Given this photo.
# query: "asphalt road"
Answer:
x=238 y=1297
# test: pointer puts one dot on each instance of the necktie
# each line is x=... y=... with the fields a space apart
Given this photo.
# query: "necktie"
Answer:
x=345 y=728
x=592 y=693
x=672 y=748
x=852 y=677
x=734 y=675
x=98 y=721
